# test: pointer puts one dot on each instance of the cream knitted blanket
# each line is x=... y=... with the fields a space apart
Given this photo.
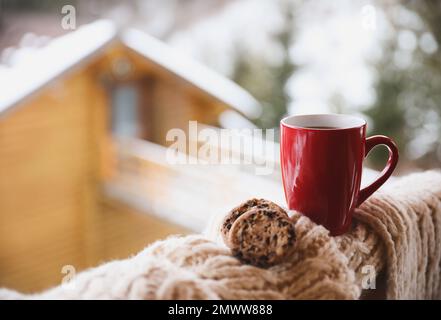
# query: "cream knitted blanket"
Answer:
x=397 y=232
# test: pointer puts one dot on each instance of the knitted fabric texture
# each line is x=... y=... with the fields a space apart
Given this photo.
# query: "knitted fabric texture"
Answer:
x=396 y=231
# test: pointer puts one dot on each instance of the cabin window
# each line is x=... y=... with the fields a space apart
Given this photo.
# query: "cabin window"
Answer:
x=125 y=117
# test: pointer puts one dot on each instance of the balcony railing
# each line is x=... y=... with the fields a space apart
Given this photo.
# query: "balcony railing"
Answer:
x=186 y=194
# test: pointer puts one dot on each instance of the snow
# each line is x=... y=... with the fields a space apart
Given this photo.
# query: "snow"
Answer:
x=34 y=68
x=230 y=119
x=242 y=25
x=335 y=49
x=188 y=69
x=334 y=45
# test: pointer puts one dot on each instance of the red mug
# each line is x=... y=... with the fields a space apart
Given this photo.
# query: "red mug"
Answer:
x=322 y=158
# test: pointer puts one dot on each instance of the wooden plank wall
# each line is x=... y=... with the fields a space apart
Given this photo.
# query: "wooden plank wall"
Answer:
x=45 y=158
x=53 y=153
x=175 y=101
x=124 y=231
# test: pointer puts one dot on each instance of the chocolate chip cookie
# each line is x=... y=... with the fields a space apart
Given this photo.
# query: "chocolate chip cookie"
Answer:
x=231 y=217
x=262 y=236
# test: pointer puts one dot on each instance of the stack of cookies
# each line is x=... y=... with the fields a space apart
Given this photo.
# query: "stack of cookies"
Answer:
x=259 y=232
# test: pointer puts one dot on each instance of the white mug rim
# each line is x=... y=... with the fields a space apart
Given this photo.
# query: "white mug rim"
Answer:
x=335 y=121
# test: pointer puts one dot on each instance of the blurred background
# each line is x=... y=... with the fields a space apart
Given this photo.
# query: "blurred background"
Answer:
x=377 y=59
x=380 y=59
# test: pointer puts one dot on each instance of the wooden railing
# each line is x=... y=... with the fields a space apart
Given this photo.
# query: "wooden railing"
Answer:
x=186 y=194
x=251 y=151
x=190 y=194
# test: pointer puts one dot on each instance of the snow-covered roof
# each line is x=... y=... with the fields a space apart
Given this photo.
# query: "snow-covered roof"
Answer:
x=45 y=64
x=202 y=77
x=41 y=66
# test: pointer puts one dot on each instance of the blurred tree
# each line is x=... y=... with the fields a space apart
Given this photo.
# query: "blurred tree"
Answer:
x=408 y=104
x=266 y=81
x=2 y=10
x=34 y=5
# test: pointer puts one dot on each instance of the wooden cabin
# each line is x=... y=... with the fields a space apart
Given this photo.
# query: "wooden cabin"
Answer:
x=83 y=176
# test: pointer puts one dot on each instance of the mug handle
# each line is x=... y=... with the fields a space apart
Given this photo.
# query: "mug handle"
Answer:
x=372 y=142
